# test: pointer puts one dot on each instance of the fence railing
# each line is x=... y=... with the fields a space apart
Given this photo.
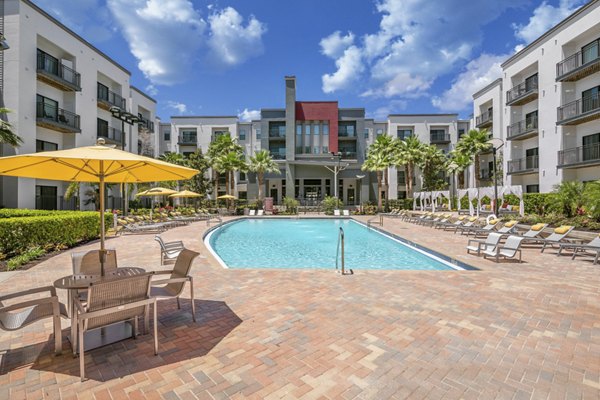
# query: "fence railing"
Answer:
x=484 y=118
x=579 y=155
x=577 y=60
x=57 y=115
x=439 y=137
x=523 y=164
x=522 y=89
x=52 y=66
x=578 y=107
x=521 y=127
x=111 y=133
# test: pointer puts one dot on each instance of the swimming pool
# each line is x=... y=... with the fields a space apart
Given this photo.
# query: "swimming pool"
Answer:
x=312 y=243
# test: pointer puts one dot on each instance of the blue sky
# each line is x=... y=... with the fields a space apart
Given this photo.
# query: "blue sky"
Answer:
x=229 y=57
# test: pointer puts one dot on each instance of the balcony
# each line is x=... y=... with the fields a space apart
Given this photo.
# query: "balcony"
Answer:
x=579 y=111
x=345 y=133
x=52 y=72
x=523 y=129
x=439 y=138
x=582 y=156
x=485 y=174
x=57 y=119
x=108 y=99
x=187 y=140
x=348 y=155
x=146 y=123
x=484 y=120
x=275 y=155
x=523 y=166
x=577 y=66
x=111 y=135
x=523 y=93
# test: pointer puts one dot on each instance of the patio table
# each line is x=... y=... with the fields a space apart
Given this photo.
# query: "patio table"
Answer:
x=103 y=336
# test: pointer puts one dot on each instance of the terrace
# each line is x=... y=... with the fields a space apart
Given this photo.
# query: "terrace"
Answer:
x=279 y=333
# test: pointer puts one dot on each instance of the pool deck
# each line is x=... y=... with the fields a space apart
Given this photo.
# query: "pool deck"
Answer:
x=505 y=331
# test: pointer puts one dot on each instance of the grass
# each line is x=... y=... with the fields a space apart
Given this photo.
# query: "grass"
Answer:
x=29 y=255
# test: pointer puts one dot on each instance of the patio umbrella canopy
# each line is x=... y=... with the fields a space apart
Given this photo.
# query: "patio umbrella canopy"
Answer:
x=99 y=164
x=155 y=192
x=186 y=193
x=226 y=197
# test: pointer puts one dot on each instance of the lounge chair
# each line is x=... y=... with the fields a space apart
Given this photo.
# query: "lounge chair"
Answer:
x=346 y=213
x=444 y=220
x=534 y=231
x=458 y=222
x=252 y=213
x=169 y=250
x=176 y=282
x=18 y=315
x=260 y=212
x=490 y=227
x=509 y=249
x=488 y=244
x=336 y=212
x=115 y=301
x=555 y=238
x=507 y=229
x=471 y=221
x=592 y=248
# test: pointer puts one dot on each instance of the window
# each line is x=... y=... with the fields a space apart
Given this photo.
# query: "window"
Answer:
x=403 y=133
x=242 y=134
x=102 y=127
x=307 y=139
x=401 y=195
x=47 y=108
x=589 y=52
x=45 y=197
x=167 y=136
x=590 y=100
x=347 y=129
x=243 y=176
x=591 y=147
x=102 y=92
x=461 y=132
x=401 y=178
x=532 y=188
x=298 y=139
x=258 y=134
x=379 y=132
x=188 y=136
x=531 y=82
x=41 y=145
x=326 y=128
x=531 y=120
x=243 y=195
x=366 y=133
x=531 y=158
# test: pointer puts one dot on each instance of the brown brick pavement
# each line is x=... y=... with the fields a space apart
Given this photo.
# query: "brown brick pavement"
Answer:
x=508 y=331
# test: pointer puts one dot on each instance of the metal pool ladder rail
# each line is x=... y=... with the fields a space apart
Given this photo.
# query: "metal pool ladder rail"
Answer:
x=372 y=220
x=340 y=245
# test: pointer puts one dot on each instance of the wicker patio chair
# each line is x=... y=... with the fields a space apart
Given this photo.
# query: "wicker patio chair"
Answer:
x=175 y=283
x=115 y=301
x=18 y=315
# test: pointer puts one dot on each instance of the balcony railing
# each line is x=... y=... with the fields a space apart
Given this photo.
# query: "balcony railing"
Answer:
x=346 y=133
x=579 y=111
x=146 y=123
x=523 y=92
x=56 y=118
x=187 y=139
x=439 y=137
x=348 y=155
x=523 y=129
x=277 y=132
x=277 y=156
x=110 y=98
x=523 y=165
x=484 y=119
x=110 y=133
x=579 y=65
x=589 y=154
x=60 y=74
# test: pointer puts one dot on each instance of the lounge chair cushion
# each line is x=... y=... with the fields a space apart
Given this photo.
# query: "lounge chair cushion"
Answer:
x=562 y=229
x=537 y=227
x=461 y=218
x=473 y=219
x=510 y=224
x=494 y=221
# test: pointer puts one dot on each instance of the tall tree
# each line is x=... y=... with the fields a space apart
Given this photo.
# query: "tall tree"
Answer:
x=262 y=163
x=432 y=164
x=229 y=163
x=386 y=147
x=199 y=183
x=173 y=158
x=6 y=133
x=377 y=162
x=461 y=163
x=218 y=148
x=409 y=152
x=472 y=145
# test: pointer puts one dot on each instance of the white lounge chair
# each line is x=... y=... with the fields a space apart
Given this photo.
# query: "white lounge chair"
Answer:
x=346 y=213
x=490 y=227
x=591 y=248
x=260 y=212
x=489 y=244
x=534 y=231
x=252 y=212
x=336 y=212
x=509 y=249
x=555 y=238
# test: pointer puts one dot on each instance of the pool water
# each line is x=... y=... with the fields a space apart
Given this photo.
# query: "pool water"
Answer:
x=312 y=243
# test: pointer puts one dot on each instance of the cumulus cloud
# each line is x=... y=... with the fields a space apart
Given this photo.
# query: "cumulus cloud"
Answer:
x=175 y=105
x=151 y=90
x=544 y=17
x=478 y=73
x=249 y=115
x=230 y=41
x=417 y=42
x=393 y=107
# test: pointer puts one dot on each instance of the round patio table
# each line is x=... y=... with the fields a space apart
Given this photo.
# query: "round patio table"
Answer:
x=82 y=281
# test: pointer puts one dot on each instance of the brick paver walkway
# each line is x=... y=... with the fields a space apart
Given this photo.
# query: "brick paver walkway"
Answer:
x=507 y=331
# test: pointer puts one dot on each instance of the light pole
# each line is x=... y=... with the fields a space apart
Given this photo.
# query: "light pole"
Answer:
x=359 y=190
x=452 y=167
x=496 y=143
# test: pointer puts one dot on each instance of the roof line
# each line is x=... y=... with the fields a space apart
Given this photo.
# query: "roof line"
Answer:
x=486 y=88
x=204 y=116
x=142 y=93
x=72 y=33
x=421 y=115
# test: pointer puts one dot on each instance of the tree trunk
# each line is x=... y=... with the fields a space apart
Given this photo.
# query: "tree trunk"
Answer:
x=216 y=182
x=260 y=185
x=386 y=185
x=409 y=182
x=477 y=170
x=461 y=179
x=379 y=178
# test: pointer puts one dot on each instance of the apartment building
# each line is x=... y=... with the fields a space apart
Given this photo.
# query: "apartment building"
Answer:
x=301 y=138
x=63 y=93
x=550 y=108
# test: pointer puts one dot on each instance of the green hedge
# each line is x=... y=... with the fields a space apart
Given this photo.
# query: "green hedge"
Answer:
x=402 y=204
x=18 y=213
x=58 y=230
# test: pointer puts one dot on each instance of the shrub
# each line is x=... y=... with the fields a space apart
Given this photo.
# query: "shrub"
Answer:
x=27 y=256
x=330 y=203
x=291 y=205
x=402 y=204
x=56 y=231
x=369 y=208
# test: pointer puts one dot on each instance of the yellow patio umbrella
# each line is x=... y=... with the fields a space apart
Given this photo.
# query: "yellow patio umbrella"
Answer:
x=226 y=197
x=155 y=192
x=184 y=194
x=99 y=163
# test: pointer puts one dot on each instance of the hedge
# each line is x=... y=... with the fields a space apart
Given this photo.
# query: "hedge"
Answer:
x=18 y=213
x=57 y=230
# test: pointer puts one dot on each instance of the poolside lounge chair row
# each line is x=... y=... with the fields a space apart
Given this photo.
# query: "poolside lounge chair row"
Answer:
x=336 y=212
x=143 y=224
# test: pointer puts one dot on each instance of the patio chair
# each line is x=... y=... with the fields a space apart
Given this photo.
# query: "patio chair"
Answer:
x=346 y=213
x=18 y=315
x=534 y=231
x=176 y=282
x=111 y=302
x=470 y=224
x=509 y=249
x=169 y=250
x=507 y=229
x=555 y=238
x=444 y=219
x=252 y=212
x=452 y=225
x=489 y=243
x=336 y=212
x=490 y=227
x=260 y=212
x=590 y=248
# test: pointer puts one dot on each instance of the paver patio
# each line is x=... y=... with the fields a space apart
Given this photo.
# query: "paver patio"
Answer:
x=507 y=331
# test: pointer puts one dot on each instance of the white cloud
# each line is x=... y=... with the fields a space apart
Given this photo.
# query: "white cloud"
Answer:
x=230 y=41
x=478 y=73
x=334 y=45
x=175 y=105
x=151 y=90
x=544 y=17
x=393 y=107
x=249 y=115
x=417 y=42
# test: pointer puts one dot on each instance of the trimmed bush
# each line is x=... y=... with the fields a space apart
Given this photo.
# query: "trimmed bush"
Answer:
x=402 y=204
x=58 y=230
x=19 y=213
x=331 y=203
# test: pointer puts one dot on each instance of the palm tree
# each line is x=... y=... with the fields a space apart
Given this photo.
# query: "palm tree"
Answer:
x=461 y=163
x=377 y=162
x=173 y=158
x=6 y=133
x=386 y=147
x=433 y=162
x=222 y=145
x=472 y=145
x=261 y=163
x=229 y=163
x=409 y=152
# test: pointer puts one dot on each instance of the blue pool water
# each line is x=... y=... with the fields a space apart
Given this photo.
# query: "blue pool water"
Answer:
x=311 y=243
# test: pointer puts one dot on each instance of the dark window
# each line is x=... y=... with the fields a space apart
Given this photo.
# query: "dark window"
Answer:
x=102 y=127
x=531 y=158
x=532 y=188
x=401 y=178
x=41 y=145
x=243 y=176
x=366 y=133
x=347 y=128
x=379 y=132
x=589 y=99
x=258 y=133
x=589 y=52
x=243 y=195
x=102 y=92
x=591 y=147
x=47 y=108
x=402 y=134
x=242 y=134
x=461 y=132
x=167 y=136
x=401 y=195
x=47 y=63
x=531 y=82
x=45 y=197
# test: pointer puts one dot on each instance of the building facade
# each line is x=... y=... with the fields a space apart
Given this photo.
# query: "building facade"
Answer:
x=64 y=93
x=310 y=141
x=550 y=108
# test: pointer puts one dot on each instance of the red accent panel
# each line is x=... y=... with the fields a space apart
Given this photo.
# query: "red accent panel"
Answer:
x=321 y=111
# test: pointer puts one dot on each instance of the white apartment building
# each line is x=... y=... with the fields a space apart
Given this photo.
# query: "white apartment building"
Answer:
x=63 y=93
x=550 y=106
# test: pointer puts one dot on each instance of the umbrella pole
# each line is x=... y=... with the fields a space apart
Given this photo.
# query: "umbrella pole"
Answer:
x=102 y=227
